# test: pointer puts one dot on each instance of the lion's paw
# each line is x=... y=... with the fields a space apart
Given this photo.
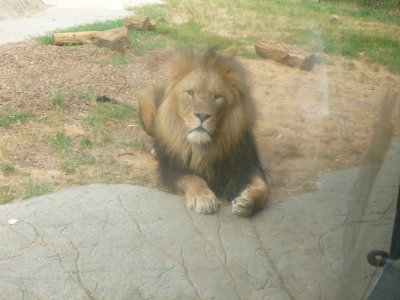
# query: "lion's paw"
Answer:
x=203 y=201
x=242 y=206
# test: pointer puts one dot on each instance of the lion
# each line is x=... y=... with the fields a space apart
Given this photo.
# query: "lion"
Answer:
x=202 y=127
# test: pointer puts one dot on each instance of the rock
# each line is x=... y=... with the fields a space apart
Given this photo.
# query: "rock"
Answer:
x=335 y=19
x=131 y=242
x=142 y=23
x=114 y=39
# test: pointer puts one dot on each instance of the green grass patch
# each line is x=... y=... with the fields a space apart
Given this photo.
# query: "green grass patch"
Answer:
x=114 y=60
x=7 y=168
x=143 y=41
x=191 y=35
x=83 y=94
x=7 y=194
x=58 y=99
x=86 y=142
x=106 y=113
x=60 y=141
x=87 y=159
x=103 y=117
x=36 y=188
x=69 y=167
x=141 y=178
x=9 y=115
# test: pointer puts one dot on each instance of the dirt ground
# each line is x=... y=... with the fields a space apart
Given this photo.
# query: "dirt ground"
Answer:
x=309 y=123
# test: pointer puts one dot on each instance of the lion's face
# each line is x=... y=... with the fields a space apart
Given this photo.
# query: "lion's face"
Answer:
x=205 y=108
x=201 y=100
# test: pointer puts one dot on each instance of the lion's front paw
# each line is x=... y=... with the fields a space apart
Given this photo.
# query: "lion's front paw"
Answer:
x=252 y=198
x=203 y=201
x=242 y=206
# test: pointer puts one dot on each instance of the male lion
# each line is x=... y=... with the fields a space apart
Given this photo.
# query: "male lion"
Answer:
x=202 y=125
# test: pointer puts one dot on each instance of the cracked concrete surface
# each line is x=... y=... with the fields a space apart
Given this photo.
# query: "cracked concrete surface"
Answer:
x=130 y=242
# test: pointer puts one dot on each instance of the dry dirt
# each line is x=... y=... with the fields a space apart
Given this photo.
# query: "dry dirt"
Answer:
x=309 y=123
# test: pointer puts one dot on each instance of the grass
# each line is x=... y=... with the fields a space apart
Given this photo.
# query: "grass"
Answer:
x=59 y=97
x=189 y=34
x=141 y=178
x=7 y=194
x=61 y=142
x=365 y=33
x=9 y=115
x=76 y=159
x=86 y=142
x=6 y=168
x=84 y=94
x=369 y=31
x=87 y=159
x=36 y=188
x=69 y=167
x=102 y=118
x=114 y=60
x=106 y=113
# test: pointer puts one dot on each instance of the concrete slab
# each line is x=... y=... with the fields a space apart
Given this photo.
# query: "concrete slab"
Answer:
x=130 y=242
x=15 y=9
x=64 y=14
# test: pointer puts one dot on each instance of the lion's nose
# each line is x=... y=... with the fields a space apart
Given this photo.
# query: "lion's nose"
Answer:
x=202 y=116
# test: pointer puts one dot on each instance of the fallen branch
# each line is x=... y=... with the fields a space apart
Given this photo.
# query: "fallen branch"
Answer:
x=74 y=38
x=114 y=39
x=286 y=54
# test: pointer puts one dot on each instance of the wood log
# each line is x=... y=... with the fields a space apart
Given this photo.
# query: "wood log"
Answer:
x=114 y=39
x=74 y=38
x=284 y=53
x=141 y=23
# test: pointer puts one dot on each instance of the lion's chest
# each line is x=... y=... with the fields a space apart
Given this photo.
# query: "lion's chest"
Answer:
x=201 y=162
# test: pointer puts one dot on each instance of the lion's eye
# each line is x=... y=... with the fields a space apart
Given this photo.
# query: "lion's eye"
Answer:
x=190 y=92
x=218 y=96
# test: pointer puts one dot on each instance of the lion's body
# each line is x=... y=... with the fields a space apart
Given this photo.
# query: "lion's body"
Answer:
x=202 y=125
x=226 y=176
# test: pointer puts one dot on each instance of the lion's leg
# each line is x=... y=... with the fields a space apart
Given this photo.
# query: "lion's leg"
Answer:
x=149 y=101
x=252 y=198
x=197 y=194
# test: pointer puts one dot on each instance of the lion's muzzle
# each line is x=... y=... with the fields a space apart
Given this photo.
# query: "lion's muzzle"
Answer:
x=199 y=136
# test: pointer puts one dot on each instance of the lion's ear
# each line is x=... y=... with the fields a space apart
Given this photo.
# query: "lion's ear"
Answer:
x=148 y=105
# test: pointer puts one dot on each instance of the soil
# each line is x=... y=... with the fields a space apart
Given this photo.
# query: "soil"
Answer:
x=310 y=122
